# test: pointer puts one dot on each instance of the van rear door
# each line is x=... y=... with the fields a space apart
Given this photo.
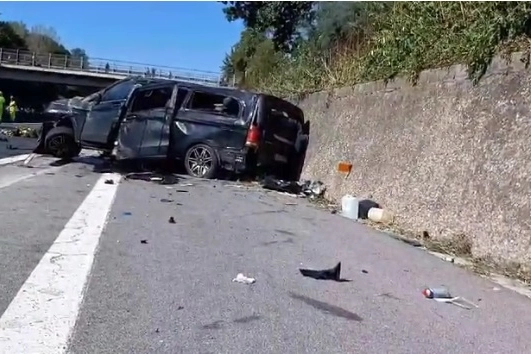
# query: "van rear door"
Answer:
x=282 y=124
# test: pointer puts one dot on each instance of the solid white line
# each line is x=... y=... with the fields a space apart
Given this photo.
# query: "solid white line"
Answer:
x=13 y=159
x=42 y=315
x=6 y=181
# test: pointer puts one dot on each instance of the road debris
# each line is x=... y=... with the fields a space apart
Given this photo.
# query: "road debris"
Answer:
x=165 y=200
x=364 y=206
x=127 y=213
x=144 y=242
x=171 y=220
x=350 y=207
x=240 y=278
x=324 y=274
x=364 y=271
x=24 y=132
x=437 y=293
x=303 y=188
x=109 y=181
x=29 y=159
x=181 y=191
x=159 y=178
x=380 y=216
x=442 y=294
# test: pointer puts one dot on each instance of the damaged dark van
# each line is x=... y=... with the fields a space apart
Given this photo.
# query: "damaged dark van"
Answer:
x=208 y=128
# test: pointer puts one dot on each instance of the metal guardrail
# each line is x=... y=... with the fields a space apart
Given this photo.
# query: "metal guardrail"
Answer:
x=61 y=62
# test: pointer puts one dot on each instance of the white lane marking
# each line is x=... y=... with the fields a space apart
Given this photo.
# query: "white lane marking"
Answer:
x=6 y=181
x=13 y=159
x=42 y=315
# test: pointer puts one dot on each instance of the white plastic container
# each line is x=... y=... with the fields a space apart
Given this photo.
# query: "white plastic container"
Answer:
x=350 y=207
x=380 y=215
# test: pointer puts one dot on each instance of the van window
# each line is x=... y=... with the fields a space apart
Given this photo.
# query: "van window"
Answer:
x=151 y=99
x=119 y=92
x=181 y=96
x=215 y=104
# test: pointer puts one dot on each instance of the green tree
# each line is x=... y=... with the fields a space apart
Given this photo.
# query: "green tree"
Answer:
x=227 y=67
x=9 y=38
x=280 y=19
x=250 y=58
x=79 y=57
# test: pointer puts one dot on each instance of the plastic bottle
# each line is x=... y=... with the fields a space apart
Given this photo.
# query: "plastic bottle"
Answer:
x=437 y=293
x=350 y=207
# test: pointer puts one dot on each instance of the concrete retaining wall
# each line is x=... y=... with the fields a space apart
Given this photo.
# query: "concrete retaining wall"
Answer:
x=446 y=156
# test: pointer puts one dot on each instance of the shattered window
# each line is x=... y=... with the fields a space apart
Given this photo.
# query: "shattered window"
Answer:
x=181 y=96
x=119 y=92
x=216 y=104
x=151 y=99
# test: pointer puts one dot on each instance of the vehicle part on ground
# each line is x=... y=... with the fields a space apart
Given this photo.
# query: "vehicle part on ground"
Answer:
x=325 y=274
x=60 y=143
x=201 y=161
x=160 y=178
x=311 y=189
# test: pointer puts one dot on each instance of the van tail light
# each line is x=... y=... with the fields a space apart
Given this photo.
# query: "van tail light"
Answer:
x=253 y=137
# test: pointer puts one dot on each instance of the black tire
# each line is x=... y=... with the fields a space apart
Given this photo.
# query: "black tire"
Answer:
x=60 y=142
x=201 y=161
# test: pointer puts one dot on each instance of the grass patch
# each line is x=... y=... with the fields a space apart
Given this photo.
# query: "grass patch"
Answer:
x=403 y=38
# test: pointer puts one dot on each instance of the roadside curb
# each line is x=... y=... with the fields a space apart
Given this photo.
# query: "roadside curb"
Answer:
x=511 y=284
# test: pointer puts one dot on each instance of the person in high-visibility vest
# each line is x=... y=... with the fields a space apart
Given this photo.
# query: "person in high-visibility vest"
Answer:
x=12 y=108
x=2 y=105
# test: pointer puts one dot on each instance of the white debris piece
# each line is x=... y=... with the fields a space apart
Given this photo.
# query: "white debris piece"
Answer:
x=240 y=278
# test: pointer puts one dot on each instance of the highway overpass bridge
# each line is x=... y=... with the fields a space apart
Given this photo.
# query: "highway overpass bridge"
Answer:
x=92 y=72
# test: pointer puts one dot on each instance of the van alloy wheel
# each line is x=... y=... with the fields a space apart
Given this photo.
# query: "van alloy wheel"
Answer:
x=57 y=144
x=200 y=161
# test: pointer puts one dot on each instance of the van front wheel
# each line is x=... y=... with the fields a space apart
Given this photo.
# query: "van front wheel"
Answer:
x=201 y=161
x=60 y=142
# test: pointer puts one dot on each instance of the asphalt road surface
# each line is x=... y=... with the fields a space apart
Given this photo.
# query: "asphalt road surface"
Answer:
x=94 y=267
x=14 y=146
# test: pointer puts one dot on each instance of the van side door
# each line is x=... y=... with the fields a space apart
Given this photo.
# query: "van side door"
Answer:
x=212 y=118
x=104 y=116
x=144 y=129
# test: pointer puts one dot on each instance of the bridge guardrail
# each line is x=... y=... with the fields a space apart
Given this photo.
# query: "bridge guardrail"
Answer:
x=104 y=66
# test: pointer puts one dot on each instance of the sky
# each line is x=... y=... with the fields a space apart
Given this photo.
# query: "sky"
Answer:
x=190 y=35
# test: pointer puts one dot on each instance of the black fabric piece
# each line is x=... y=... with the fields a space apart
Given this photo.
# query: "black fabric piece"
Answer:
x=324 y=274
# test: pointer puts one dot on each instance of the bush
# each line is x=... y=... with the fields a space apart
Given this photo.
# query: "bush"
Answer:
x=403 y=38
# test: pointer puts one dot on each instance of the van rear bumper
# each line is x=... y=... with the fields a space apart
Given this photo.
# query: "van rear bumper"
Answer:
x=234 y=160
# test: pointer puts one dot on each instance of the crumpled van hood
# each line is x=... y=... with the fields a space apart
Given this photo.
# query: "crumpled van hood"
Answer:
x=65 y=105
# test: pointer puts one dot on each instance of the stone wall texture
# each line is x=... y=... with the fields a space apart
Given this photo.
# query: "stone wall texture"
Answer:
x=446 y=156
